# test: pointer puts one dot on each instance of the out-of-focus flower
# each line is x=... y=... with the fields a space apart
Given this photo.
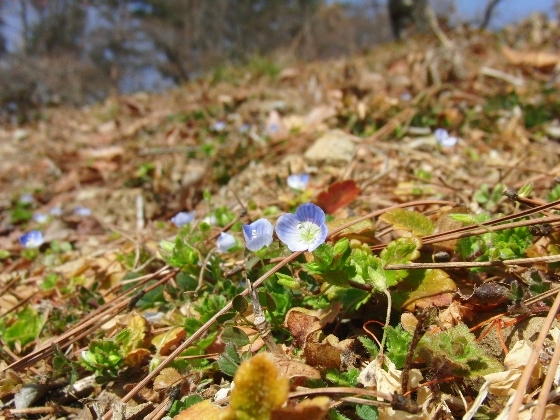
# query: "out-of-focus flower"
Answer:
x=26 y=198
x=82 y=211
x=32 y=239
x=244 y=128
x=211 y=219
x=258 y=234
x=40 y=217
x=182 y=218
x=406 y=96
x=298 y=181
x=225 y=242
x=304 y=230
x=444 y=139
x=218 y=126
x=55 y=211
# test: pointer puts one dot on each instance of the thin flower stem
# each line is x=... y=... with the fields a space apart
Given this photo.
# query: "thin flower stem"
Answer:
x=387 y=320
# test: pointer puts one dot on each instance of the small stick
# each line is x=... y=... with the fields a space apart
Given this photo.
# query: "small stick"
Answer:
x=260 y=321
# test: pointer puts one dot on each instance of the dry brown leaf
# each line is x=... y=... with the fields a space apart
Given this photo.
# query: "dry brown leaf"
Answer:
x=167 y=378
x=165 y=342
x=302 y=322
x=203 y=410
x=538 y=59
x=292 y=368
x=313 y=409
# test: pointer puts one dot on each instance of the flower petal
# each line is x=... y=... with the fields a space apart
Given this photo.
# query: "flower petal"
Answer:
x=32 y=239
x=225 y=242
x=182 y=218
x=320 y=239
x=298 y=181
x=288 y=232
x=258 y=234
x=259 y=242
x=309 y=212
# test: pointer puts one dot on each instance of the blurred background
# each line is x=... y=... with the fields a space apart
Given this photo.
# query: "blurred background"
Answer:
x=78 y=52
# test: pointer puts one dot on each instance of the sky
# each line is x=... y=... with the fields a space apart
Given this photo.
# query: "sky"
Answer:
x=506 y=12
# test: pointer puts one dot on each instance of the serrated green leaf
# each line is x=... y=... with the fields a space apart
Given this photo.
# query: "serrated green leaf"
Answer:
x=410 y=221
x=397 y=343
x=26 y=329
x=367 y=412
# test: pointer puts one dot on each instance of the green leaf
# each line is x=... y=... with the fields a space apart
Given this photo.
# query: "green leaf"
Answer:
x=26 y=329
x=369 y=345
x=456 y=350
x=288 y=281
x=410 y=221
x=398 y=342
x=235 y=335
x=240 y=304
x=367 y=412
x=229 y=360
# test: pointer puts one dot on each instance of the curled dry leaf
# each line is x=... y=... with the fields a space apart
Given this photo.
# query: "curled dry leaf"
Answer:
x=302 y=322
x=167 y=341
x=293 y=369
x=329 y=353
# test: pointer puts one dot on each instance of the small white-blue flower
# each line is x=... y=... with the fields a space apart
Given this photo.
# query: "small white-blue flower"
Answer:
x=82 y=211
x=444 y=139
x=225 y=242
x=258 y=234
x=219 y=126
x=40 y=217
x=26 y=198
x=32 y=239
x=303 y=231
x=298 y=181
x=182 y=218
x=211 y=219
x=55 y=211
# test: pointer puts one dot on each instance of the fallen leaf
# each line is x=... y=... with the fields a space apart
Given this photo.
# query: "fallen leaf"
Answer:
x=539 y=59
x=203 y=410
x=423 y=288
x=338 y=195
x=290 y=369
x=312 y=409
x=302 y=322
x=166 y=341
x=167 y=378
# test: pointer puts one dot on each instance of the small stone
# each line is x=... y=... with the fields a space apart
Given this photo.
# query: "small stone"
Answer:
x=553 y=131
x=335 y=147
x=28 y=395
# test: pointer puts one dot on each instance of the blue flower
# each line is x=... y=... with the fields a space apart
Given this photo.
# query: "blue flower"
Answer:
x=258 y=234
x=182 y=218
x=55 y=211
x=305 y=230
x=26 y=198
x=82 y=211
x=444 y=139
x=40 y=217
x=225 y=242
x=32 y=239
x=218 y=126
x=298 y=181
